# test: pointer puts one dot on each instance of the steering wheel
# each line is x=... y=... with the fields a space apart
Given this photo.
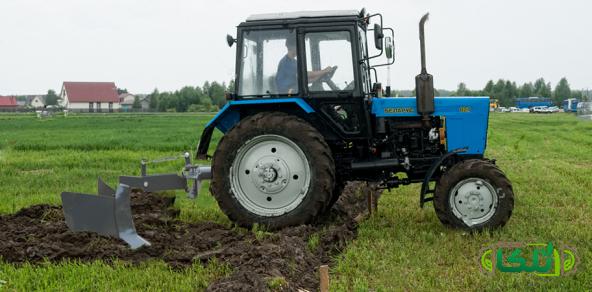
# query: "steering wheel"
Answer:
x=350 y=86
x=326 y=78
x=329 y=75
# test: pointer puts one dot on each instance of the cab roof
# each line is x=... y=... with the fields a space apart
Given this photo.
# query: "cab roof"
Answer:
x=303 y=14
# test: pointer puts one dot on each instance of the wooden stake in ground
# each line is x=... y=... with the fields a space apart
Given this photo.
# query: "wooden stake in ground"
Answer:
x=372 y=199
x=324 y=274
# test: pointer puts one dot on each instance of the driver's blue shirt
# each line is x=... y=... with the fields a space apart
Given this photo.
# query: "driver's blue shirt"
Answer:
x=287 y=75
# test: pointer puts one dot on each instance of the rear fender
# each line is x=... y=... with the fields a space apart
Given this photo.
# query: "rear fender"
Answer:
x=230 y=115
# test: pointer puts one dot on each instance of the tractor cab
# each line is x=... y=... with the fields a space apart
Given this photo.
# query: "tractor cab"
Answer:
x=320 y=57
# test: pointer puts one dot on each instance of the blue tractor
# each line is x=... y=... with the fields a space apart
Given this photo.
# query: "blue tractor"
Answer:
x=308 y=115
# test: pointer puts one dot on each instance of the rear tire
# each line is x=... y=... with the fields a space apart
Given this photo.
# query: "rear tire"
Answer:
x=272 y=169
x=339 y=187
x=475 y=195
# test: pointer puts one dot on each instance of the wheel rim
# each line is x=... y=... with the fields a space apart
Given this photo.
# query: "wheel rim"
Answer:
x=473 y=201
x=270 y=175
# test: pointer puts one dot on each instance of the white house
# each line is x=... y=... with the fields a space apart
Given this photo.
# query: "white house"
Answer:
x=90 y=97
x=127 y=102
x=37 y=101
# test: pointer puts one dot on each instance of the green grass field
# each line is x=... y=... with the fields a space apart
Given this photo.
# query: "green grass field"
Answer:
x=547 y=157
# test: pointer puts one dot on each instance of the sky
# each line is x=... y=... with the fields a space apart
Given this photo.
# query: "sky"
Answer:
x=147 y=44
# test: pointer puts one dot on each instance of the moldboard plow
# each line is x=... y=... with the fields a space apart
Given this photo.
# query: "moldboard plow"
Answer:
x=109 y=213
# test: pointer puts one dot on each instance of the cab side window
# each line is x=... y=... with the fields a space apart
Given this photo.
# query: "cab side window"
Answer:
x=329 y=50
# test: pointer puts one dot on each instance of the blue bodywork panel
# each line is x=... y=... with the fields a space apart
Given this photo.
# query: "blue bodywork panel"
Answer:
x=228 y=116
x=466 y=118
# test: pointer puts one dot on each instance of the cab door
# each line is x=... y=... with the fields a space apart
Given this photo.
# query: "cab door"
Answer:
x=338 y=95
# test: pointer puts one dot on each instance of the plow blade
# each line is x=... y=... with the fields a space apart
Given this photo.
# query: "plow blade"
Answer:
x=109 y=213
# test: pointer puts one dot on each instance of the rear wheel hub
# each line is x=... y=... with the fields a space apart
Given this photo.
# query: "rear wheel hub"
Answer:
x=270 y=175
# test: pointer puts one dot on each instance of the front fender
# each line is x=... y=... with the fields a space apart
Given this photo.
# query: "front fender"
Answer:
x=229 y=116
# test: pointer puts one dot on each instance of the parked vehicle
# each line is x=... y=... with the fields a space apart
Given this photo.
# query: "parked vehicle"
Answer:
x=538 y=109
x=553 y=109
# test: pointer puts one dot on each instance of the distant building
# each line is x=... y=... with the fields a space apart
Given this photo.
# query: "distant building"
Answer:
x=90 y=96
x=8 y=103
x=127 y=102
x=35 y=101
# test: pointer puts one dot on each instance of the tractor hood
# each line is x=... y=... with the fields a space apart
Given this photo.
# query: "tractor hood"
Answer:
x=466 y=118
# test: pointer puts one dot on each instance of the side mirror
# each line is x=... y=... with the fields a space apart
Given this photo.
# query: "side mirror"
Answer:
x=230 y=40
x=389 y=47
x=378 y=36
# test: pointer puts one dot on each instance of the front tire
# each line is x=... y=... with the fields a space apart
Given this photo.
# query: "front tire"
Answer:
x=475 y=195
x=272 y=169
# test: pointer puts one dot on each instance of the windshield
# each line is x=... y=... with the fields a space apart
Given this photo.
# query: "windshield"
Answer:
x=268 y=64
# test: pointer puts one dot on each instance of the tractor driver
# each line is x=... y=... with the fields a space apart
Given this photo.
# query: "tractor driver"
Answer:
x=286 y=78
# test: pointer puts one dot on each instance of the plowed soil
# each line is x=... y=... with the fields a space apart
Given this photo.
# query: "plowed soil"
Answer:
x=39 y=232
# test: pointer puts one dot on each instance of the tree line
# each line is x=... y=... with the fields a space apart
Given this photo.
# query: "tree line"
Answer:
x=211 y=95
x=208 y=97
x=506 y=91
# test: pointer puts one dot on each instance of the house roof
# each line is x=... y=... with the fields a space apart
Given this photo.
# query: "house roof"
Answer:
x=30 y=98
x=91 y=91
x=8 y=101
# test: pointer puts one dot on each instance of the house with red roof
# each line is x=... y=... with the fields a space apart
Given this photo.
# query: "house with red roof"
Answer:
x=90 y=97
x=8 y=103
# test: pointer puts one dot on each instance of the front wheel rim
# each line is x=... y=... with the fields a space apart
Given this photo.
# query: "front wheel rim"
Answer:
x=270 y=175
x=473 y=201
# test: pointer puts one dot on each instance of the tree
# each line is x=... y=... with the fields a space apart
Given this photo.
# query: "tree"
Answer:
x=541 y=88
x=461 y=90
x=216 y=93
x=231 y=86
x=511 y=90
x=577 y=94
x=562 y=91
x=51 y=98
x=206 y=88
x=136 y=104
x=488 y=90
x=501 y=92
x=121 y=90
x=153 y=99
x=526 y=90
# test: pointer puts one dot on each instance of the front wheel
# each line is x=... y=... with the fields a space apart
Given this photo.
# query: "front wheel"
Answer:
x=474 y=194
x=273 y=169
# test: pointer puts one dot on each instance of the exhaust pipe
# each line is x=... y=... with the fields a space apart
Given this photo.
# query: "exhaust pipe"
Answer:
x=424 y=82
